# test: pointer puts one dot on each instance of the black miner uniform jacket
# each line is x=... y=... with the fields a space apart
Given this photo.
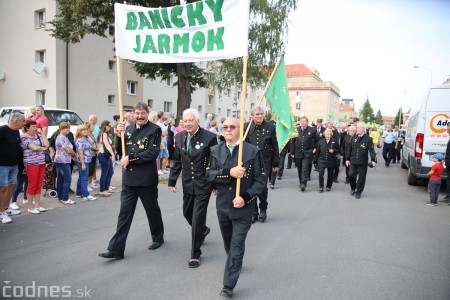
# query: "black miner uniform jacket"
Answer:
x=142 y=147
x=358 y=151
x=252 y=184
x=265 y=138
x=303 y=145
x=193 y=166
x=325 y=158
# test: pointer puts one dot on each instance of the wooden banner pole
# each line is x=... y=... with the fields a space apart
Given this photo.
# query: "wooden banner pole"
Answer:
x=241 y=125
x=119 y=90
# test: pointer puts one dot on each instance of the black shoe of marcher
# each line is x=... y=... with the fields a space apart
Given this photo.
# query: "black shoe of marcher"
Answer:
x=279 y=177
x=155 y=245
x=446 y=199
x=328 y=189
x=111 y=254
x=308 y=179
x=302 y=187
x=226 y=292
x=320 y=190
x=347 y=182
x=255 y=218
x=352 y=193
x=358 y=196
x=194 y=263
x=262 y=216
x=207 y=231
x=337 y=181
x=272 y=186
x=288 y=167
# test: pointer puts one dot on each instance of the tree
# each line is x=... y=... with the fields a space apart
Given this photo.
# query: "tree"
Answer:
x=367 y=111
x=399 y=118
x=379 y=118
x=268 y=30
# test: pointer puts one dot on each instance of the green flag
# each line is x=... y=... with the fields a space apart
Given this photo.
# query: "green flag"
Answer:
x=278 y=97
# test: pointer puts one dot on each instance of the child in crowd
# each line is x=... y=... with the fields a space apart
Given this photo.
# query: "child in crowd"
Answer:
x=434 y=184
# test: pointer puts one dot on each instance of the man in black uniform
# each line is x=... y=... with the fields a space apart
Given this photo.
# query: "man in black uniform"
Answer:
x=303 y=149
x=357 y=157
x=262 y=134
x=319 y=135
x=139 y=180
x=235 y=213
x=338 y=136
x=346 y=145
x=191 y=157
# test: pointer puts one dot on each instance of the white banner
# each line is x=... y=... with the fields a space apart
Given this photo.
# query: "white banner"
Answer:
x=199 y=31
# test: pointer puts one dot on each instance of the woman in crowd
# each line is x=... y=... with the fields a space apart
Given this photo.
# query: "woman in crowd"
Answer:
x=106 y=158
x=170 y=139
x=34 y=146
x=84 y=156
x=327 y=149
x=94 y=150
x=375 y=135
x=63 y=157
x=179 y=129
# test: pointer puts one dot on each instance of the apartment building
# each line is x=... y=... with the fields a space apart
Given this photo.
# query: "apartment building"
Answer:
x=310 y=96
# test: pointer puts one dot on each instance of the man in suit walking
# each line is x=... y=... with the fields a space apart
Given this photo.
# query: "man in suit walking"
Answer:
x=191 y=158
x=139 y=180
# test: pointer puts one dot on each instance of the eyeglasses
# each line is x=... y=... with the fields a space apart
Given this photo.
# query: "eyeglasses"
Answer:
x=232 y=127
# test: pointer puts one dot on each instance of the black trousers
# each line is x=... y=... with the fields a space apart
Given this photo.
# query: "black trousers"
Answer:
x=128 y=199
x=195 y=208
x=336 y=169
x=388 y=153
x=330 y=176
x=357 y=175
x=234 y=232
x=447 y=180
x=398 y=153
x=263 y=196
x=303 y=169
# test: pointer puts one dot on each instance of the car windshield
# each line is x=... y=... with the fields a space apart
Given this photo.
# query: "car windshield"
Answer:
x=57 y=116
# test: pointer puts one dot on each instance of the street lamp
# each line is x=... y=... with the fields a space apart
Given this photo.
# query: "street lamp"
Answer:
x=431 y=72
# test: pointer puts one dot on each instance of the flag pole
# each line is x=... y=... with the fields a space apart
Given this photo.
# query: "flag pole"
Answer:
x=241 y=125
x=264 y=93
x=119 y=90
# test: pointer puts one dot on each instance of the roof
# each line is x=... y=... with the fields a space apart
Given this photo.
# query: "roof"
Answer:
x=345 y=107
x=386 y=118
x=298 y=69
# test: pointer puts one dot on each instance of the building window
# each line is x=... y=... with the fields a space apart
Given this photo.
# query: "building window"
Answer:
x=40 y=97
x=228 y=93
x=298 y=105
x=168 y=82
x=238 y=95
x=111 y=30
x=131 y=87
x=111 y=65
x=167 y=106
x=111 y=99
x=39 y=19
x=228 y=112
x=40 y=56
x=210 y=99
x=150 y=103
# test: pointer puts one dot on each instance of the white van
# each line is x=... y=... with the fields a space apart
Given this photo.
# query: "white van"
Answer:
x=54 y=115
x=427 y=133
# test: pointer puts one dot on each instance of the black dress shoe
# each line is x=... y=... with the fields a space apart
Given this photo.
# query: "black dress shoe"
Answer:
x=321 y=190
x=255 y=218
x=111 y=254
x=226 y=292
x=155 y=245
x=347 y=182
x=337 y=181
x=446 y=199
x=288 y=167
x=279 y=177
x=302 y=187
x=352 y=193
x=272 y=186
x=207 y=231
x=262 y=216
x=328 y=189
x=194 y=263
x=358 y=196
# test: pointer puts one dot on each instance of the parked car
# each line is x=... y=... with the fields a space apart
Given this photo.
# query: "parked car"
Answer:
x=427 y=133
x=54 y=115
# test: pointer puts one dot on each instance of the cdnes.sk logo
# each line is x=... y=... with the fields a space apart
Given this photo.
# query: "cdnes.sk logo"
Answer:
x=439 y=123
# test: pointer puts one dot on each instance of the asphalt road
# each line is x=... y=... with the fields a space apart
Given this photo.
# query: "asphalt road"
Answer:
x=386 y=245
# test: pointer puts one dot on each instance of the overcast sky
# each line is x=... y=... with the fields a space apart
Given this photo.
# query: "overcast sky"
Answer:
x=370 y=47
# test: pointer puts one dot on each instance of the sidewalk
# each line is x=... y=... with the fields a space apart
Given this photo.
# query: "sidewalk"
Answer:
x=52 y=203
